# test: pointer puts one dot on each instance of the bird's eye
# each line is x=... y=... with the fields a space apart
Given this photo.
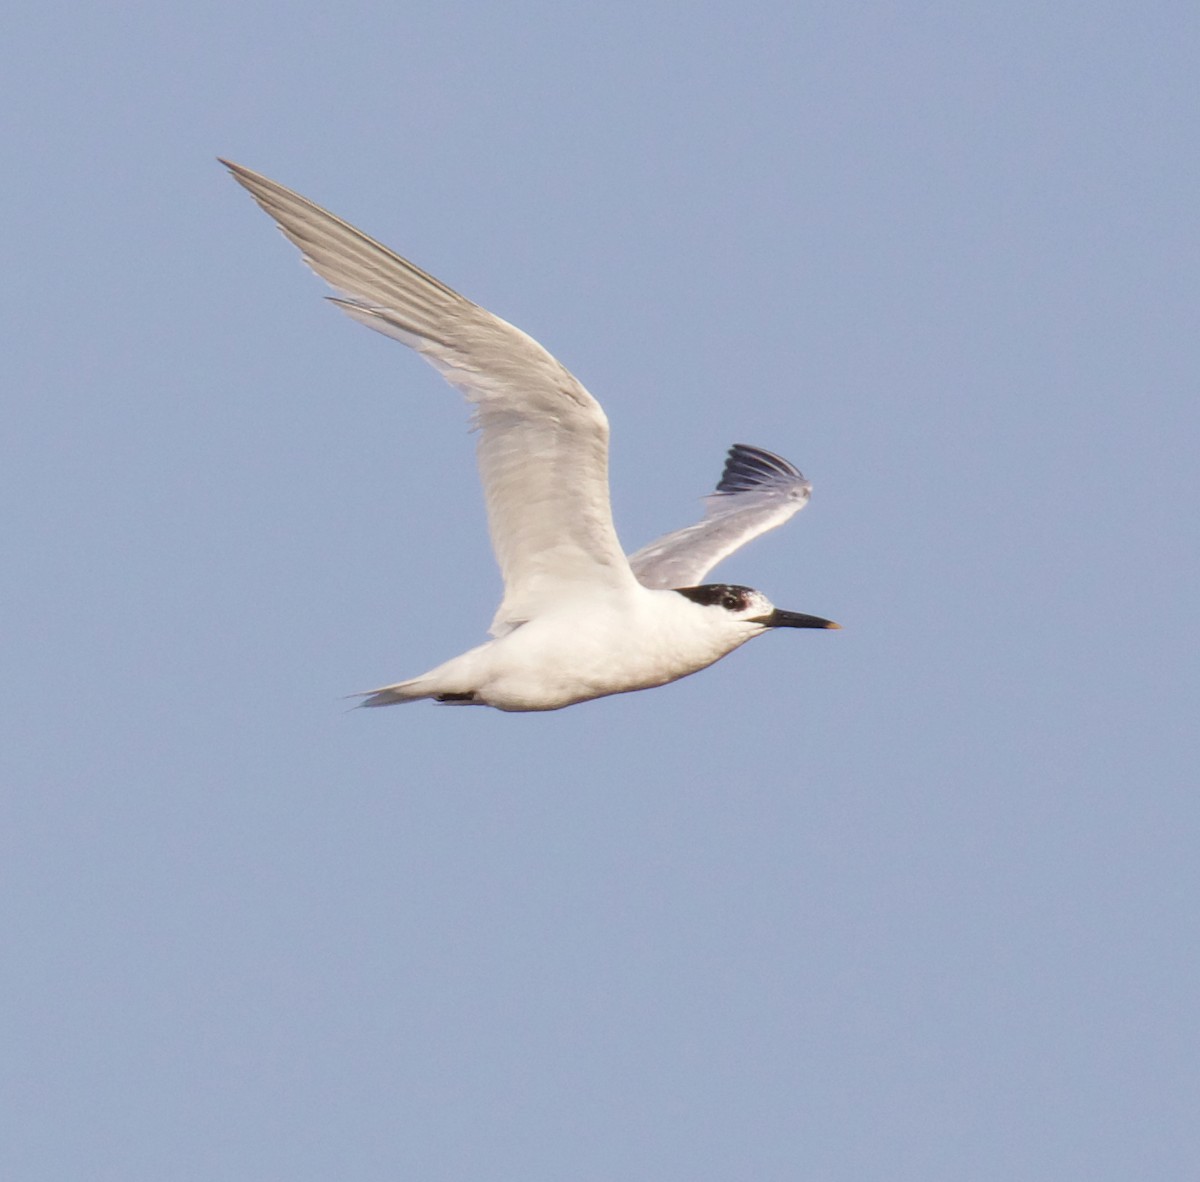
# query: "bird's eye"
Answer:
x=731 y=602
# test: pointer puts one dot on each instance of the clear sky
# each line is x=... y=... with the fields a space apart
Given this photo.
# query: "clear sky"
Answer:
x=915 y=901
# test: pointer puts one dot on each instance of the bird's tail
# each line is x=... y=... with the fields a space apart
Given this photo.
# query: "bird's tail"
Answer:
x=414 y=691
x=453 y=683
x=394 y=695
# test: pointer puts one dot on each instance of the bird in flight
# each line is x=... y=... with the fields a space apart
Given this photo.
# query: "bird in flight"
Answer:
x=579 y=619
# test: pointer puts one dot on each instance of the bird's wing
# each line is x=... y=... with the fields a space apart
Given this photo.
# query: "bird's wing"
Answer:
x=543 y=439
x=758 y=491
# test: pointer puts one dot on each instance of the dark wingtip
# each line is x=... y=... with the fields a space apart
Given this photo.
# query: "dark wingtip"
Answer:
x=748 y=467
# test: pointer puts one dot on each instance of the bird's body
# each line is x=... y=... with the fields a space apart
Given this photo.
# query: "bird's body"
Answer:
x=580 y=649
x=579 y=620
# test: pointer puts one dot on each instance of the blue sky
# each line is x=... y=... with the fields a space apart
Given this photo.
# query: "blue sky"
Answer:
x=914 y=900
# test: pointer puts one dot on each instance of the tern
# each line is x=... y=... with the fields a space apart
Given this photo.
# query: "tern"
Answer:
x=579 y=619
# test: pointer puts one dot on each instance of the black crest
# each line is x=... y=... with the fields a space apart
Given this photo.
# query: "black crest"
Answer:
x=727 y=595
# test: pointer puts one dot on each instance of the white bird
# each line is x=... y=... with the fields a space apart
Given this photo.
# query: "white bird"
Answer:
x=578 y=620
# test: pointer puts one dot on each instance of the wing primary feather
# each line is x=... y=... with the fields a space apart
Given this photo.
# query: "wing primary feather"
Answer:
x=750 y=467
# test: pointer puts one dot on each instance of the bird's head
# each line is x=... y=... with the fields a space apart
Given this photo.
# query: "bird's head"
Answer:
x=751 y=608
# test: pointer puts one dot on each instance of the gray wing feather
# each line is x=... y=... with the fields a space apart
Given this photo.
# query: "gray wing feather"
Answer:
x=758 y=491
x=550 y=520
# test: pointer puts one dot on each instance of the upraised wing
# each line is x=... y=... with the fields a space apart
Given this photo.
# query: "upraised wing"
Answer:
x=757 y=492
x=543 y=439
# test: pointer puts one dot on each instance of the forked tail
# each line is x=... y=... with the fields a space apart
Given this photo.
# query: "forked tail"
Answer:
x=414 y=691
